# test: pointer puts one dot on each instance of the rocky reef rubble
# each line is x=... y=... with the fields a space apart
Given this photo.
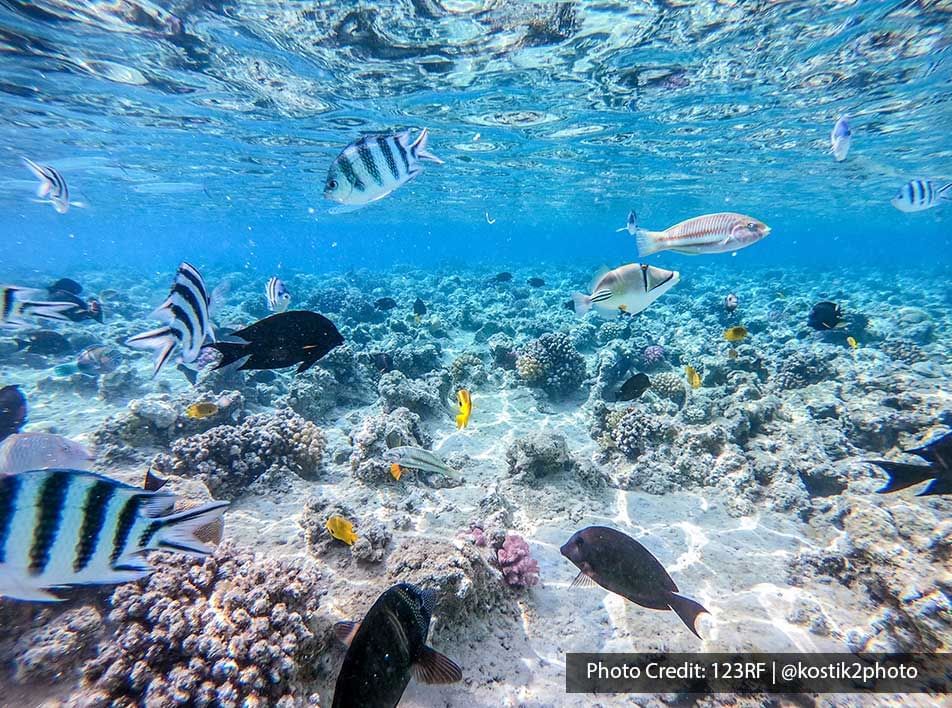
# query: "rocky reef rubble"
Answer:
x=540 y=456
x=373 y=537
x=378 y=433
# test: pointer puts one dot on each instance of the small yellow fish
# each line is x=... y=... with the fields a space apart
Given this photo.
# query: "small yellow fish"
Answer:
x=852 y=342
x=735 y=334
x=341 y=529
x=465 y=408
x=623 y=307
x=694 y=378
x=198 y=411
x=396 y=471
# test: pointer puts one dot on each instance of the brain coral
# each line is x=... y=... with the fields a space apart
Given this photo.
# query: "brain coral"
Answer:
x=553 y=364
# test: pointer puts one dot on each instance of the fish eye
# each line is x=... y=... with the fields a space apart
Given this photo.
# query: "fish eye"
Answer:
x=332 y=184
x=750 y=225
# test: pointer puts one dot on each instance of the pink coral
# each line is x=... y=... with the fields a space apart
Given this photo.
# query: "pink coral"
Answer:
x=474 y=534
x=653 y=354
x=519 y=568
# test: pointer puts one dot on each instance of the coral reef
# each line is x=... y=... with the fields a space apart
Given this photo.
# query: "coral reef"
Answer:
x=538 y=455
x=652 y=355
x=228 y=458
x=468 y=370
x=553 y=364
x=53 y=648
x=421 y=396
x=799 y=369
x=669 y=385
x=381 y=432
x=514 y=560
x=903 y=350
x=372 y=536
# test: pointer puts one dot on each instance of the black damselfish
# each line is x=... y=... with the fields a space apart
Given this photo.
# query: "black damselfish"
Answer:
x=825 y=315
x=12 y=410
x=938 y=455
x=623 y=566
x=389 y=646
x=633 y=387
x=419 y=307
x=281 y=340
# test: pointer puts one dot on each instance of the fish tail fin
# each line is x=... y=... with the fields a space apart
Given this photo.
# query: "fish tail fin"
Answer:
x=688 y=610
x=189 y=373
x=648 y=242
x=160 y=340
x=48 y=310
x=582 y=303
x=902 y=475
x=937 y=486
x=631 y=226
x=418 y=148
x=179 y=531
x=945 y=192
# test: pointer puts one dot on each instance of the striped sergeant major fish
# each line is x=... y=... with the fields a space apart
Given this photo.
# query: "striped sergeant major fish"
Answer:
x=62 y=528
x=278 y=296
x=920 y=194
x=52 y=186
x=712 y=233
x=187 y=322
x=373 y=166
x=629 y=288
x=17 y=304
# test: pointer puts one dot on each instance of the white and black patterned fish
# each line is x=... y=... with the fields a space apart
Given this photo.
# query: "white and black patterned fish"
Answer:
x=373 y=166
x=186 y=314
x=278 y=296
x=16 y=304
x=62 y=528
x=52 y=185
x=920 y=194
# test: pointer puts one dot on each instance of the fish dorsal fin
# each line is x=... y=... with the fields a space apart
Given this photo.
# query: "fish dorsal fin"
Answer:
x=599 y=274
x=434 y=667
x=583 y=581
x=346 y=630
x=153 y=482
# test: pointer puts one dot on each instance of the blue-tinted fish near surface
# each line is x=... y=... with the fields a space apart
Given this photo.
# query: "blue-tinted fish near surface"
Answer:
x=16 y=304
x=373 y=166
x=21 y=452
x=60 y=528
x=278 y=296
x=840 y=138
x=52 y=185
x=920 y=194
x=188 y=324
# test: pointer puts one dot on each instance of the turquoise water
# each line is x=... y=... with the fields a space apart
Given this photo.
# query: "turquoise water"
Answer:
x=203 y=131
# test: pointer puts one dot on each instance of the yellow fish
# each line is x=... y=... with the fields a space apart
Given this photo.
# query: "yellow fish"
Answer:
x=396 y=471
x=341 y=529
x=197 y=411
x=465 y=408
x=694 y=378
x=852 y=342
x=735 y=334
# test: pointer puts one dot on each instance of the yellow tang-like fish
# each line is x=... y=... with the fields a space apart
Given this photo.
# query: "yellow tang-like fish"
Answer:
x=735 y=334
x=852 y=342
x=694 y=378
x=341 y=529
x=465 y=408
x=197 y=411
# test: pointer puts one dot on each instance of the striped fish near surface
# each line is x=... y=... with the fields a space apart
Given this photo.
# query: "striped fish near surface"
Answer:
x=52 y=185
x=277 y=294
x=629 y=288
x=17 y=303
x=188 y=324
x=373 y=166
x=61 y=528
x=712 y=233
x=920 y=194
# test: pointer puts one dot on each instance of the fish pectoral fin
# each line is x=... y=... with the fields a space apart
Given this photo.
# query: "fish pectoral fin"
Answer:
x=434 y=667
x=345 y=631
x=583 y=581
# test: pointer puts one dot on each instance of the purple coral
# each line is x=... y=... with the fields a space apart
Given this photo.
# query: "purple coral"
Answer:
x=653 y=355
x=519 y=568
x=476 y=534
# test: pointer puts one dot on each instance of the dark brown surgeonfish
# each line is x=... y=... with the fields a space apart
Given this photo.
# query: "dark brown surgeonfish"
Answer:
x=623 y=566
x=938 y=455
x=281 y=340
x=389 y=646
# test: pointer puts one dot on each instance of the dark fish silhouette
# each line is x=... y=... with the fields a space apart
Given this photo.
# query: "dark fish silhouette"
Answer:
x=44 y=341
x=387 y=647
x=382 y=361
x=281 y=340
x=825 y=315
x=385 y=303
x=633 y=387
x=68 y=290
x=569 y=305
x=419 y=307
x=66 y=285
x=12 y=410
x=536 y=282
x=938 y=455
x=623 y=566
x=504 y=277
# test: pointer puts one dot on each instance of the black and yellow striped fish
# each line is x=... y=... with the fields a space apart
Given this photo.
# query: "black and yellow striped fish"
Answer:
x=373 y=166
x=61 y=528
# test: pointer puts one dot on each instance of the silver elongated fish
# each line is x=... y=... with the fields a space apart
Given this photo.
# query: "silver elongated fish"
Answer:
x=921 y=194
x=712 y=233
x=419 y=459
x=629 y=288
x=52 y=185
x=186 y=314
x=840 y=139
x=21 y=452
x=16 y=304
x=60 y=528
x=373 y=166
x=278 y=296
